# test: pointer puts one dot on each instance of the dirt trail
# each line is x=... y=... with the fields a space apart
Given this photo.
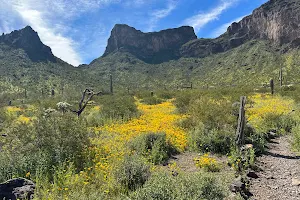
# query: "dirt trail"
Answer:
x=279 y=177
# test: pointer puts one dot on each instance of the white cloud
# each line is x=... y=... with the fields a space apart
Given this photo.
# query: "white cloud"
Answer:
x=61 y=46
x=51 y=19
x=200 y=20
x=223 y=28
x=162 y=13
x=8 y=17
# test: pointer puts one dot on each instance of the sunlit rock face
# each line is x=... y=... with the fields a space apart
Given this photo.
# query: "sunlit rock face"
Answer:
x=277 y=21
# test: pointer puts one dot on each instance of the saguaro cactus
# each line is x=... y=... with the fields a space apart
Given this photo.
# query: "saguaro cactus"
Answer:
x=280 y=77
x=240 y=138
x=272 y=86
x=111 y=84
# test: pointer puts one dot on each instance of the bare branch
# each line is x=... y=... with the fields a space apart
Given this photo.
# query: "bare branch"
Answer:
x=88 y=95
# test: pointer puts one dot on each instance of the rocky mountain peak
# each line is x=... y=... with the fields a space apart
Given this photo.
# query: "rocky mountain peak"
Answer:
x=153 y=47
x=28 y=40
x=276 y=21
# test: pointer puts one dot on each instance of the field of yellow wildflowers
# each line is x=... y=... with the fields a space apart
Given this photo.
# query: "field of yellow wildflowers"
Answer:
x=110 y=145
x=155 y=119
x=106 y=143
x=266 y=105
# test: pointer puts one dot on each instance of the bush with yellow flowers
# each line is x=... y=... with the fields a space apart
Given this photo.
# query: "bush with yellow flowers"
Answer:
x=207 y=163
x=242 y=160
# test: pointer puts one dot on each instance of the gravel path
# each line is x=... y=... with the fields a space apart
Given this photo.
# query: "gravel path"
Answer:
x=280 y=174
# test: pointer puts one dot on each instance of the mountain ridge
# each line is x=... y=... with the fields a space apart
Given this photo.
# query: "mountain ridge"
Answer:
x=276 y=21
x=241 y=53
x=28 y=40
x=149 y=46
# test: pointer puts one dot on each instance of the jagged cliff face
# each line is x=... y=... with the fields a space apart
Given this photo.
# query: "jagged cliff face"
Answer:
x=277 y=21
x=28 y=40
x=155 y=47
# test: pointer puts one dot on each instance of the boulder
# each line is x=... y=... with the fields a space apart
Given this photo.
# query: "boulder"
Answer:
x=18 y=188
x=252 y=174
x=272 y=135
x=295 y=182
x=238 y=185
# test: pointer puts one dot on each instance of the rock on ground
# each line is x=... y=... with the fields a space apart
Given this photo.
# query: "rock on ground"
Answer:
x=18 y=188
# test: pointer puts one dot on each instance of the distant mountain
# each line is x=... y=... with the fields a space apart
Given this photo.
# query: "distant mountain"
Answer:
x=276 y=21
x=250 y=52
x=153 y=47
x=28 y=40
x=25 y=62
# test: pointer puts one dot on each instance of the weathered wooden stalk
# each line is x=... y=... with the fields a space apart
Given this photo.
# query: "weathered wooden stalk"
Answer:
x=111 y=84
x=25 y=93
x=272 y=86
x=240 y=137
x=87 y=96
x=280 y=77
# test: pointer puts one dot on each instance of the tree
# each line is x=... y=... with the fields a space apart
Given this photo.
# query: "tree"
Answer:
x=87 y=96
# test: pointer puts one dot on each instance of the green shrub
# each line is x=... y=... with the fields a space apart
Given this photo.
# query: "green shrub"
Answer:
x=165 y=94
x=259 y=142
x=292 y=92
x=97 y=118
x=182 y=101
x=143 y=94
x=217 y=141
x=296 y=137
x=5 y=98
x=281 y=123
x=242 y=160
x=189 y=187
x=151 y=100
x=44 y=144
x=153 y=146
x=215 y=114
x=118 y=107
x=132 y=173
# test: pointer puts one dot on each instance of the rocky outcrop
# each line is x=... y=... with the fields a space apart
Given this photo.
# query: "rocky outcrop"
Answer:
x=28 y=40
x=154 y=47
x=18 y=188
x=277 y=21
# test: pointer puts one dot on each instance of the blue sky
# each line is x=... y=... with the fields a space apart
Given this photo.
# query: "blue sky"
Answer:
x=77 y=30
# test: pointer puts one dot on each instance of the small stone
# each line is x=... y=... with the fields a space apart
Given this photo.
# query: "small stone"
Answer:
x=272 y=135
x=18 y=188
x=237 y=185
x=295 y=182
x=252 y=174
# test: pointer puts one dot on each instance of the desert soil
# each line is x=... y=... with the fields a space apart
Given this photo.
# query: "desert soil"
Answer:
x=279 y=175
